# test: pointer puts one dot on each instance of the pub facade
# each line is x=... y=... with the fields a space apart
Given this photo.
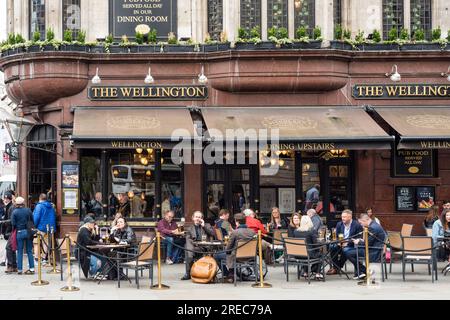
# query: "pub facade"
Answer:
x=128 y=128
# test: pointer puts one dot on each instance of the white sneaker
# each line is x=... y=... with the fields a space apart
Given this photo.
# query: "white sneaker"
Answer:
x=168 y=261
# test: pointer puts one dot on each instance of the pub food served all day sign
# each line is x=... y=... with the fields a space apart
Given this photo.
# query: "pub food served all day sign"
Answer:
x=126 y=15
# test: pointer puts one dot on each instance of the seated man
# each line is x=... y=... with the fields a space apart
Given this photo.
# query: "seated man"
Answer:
x=348 y=228
x=317 y=222
x=256 y=225
x=242 y=232
x=376 y=244
x=223 y=224
x=169 y=230
x=195 y=233
x=90 y=264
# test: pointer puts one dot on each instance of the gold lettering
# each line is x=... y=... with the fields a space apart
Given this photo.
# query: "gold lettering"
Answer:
x=442 y=91
x=166 y=92
x=95 y=92
x=126 y=92
x=136 y=93
x=392 y=90
x=402 y=91
x=360 y=91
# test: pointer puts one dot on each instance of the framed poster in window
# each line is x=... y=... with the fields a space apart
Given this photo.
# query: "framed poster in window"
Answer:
x=268 y=199
x=70 y=180
x=286 y=200
x=425 y=198
x=405 y=199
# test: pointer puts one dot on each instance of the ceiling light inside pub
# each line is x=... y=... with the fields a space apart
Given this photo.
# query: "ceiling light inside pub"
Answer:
x=139 y=150
x=96 y=79
x=149 y=79
x=395 y=76
x=201 y=77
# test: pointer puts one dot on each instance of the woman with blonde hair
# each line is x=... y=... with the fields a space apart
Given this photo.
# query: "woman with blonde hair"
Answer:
x=306 y=231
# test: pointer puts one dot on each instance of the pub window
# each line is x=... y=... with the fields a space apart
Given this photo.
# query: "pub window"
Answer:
x=90 y=177
x=215 y=18
x=304 y=13
x=171 y=184
x=250 y=14
x=37 y=17
x=337 y=12
x=421 y=17
x=392 y=16
x=277 y=13
x=71 y=15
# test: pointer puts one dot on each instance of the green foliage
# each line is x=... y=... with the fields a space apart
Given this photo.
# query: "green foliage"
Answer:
x=139 y=38
x=347 y=34
x=109 y=38
x=301 y=32
x=172 y=39
x=68 y=36
x=436 y=34
x=36 y=36
x=50 y=34
x=317 y=33
x=448 y=35
x=255 y=32
x=393 y=34
x=404 y=34
x=152 y=36
x=419 y=35
x=278 y=33
x=359 y=37
x=242 y=33
x=81 y=37
x=19 y=39
x=11 y=39
x=376 y=36
x=338 y=32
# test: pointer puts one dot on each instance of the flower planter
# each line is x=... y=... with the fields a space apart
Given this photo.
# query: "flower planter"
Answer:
x=179 y=48
x=380 y=47
x=49 y=47
x=74 y=47
x=420 y=46
x=96 y=49
x=265 y=45
x=215 y=47
x=340 y=45
x=34 y=48
x=313 y=44
x=117 y=49
x=447 y=47
x=245 y=46
x=148 y=48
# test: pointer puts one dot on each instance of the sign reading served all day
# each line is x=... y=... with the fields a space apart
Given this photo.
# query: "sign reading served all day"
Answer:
x=126 y=15
x=145 y=93
x=413 y=163
x=401 y=91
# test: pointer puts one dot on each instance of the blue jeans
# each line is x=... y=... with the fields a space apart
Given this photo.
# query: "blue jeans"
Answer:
x=95 y=264
x=220 y=257
x=24 y=240
x=172 y=252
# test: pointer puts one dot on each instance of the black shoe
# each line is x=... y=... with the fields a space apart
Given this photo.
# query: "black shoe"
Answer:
x=2 y=264
x=186 y=277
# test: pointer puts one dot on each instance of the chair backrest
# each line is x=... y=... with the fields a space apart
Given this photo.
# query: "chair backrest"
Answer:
x=395 y=239
x=278 y=236
x=406 y=230
x=146 y=239
x=296 y=247
x=146 y=251
x=284 y=235
x=219 y=235
x=429 y=232
x=417 y=245
x=246 y=249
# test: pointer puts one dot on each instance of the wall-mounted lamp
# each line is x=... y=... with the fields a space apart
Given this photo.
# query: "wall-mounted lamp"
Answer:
x=149 y=79
x=96 y=79
x=395 y=76
x=446 y=74
x=201 y=77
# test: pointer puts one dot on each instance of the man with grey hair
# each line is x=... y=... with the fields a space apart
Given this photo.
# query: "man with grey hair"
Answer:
x=256 y=225
x=317 y=222
x=195 y=232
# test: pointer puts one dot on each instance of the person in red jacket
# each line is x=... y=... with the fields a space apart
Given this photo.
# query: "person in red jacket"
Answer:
x=255 y=225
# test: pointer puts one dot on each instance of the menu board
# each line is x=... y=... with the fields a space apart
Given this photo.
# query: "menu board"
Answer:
x=413 y=163
x=425 y=198
x=70 y=183
x=405 y=199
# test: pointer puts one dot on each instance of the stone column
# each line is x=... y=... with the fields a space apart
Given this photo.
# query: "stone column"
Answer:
x=231 y=18
x=407 y=15
x=185 y=19
x=53 y=18
x=264 y=20
x=324 y=17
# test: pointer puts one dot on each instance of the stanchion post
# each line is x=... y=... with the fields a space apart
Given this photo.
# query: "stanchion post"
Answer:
x=53 y=251
x=69 y=286
x=159 y=286
x=39 y=281
x=261 y=283
x=366 y=242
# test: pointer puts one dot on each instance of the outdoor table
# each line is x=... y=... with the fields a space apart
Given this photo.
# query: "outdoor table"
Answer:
x=327 y=255
x=111 y=252
x=210 y=245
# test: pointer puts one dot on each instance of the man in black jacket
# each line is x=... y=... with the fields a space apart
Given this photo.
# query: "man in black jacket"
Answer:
x=86 y=237
x=10 y=253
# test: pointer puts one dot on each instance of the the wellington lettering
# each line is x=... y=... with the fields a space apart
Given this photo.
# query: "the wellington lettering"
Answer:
x=406 y=91
x=149 y=93
x=435 y=144
x=136 y=144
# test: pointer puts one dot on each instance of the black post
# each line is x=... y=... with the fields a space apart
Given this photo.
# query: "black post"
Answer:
x=158 y=184
x=104 y=175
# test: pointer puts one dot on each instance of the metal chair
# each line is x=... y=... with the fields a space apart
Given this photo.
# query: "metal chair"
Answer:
x=277 y=241
x=419 y=250
x=406 y=230
x=296 y=253
x=245 y=257
x=395 y=245
x=382 y=262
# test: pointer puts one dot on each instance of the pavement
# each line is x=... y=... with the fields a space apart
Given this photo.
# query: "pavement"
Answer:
x=418 y=286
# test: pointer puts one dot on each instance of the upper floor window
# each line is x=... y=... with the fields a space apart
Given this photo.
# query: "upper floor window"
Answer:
x=37 y=17
x=250 y=14
x=421 y=17
x=304 y=12
x=277 y=13
x=71 y=13
x=392 y=17
x=215 y=18
x=337 y=12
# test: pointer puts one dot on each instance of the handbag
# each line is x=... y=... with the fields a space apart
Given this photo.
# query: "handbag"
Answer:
x=13 y=239
x=204 y=270
x=31 y=230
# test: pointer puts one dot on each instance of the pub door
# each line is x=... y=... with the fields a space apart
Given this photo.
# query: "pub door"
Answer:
x=228 y=187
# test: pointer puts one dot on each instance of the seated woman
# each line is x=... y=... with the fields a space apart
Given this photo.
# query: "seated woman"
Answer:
x=276 y=220
x=369 y=211
x=431 y=217
x=122 y=233
x=441 y=229
x=116 y=217
x=87 y=236
x=306 y=231
x=294 y=224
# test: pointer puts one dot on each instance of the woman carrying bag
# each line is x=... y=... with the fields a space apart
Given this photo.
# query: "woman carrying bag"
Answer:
x=20 y=221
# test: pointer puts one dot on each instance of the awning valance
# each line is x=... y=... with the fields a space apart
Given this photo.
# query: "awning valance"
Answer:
x=419 y=127
x=299 y=128
x=128 y=127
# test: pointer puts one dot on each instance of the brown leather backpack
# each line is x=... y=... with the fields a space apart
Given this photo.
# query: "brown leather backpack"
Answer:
x=204 y=270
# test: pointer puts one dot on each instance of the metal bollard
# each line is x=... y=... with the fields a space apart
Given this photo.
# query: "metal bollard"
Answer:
x=39 y=281
x=261 y=283
x=69 y=286
x=53 y=251
x=159 y=286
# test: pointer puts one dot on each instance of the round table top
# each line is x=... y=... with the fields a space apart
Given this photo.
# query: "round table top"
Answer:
x=108 y=246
